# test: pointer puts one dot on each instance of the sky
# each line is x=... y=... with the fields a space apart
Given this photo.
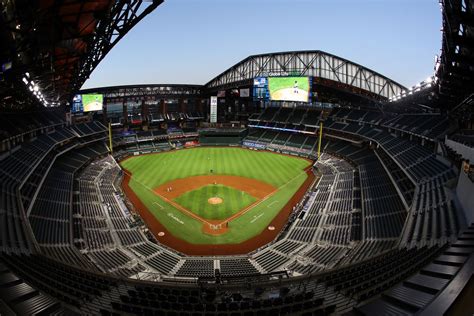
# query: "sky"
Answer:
x=192 y=41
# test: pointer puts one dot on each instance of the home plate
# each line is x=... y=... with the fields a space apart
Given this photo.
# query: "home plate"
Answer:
x=271 y=227
x=161 y=234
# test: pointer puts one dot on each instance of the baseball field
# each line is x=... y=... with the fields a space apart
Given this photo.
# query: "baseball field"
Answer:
x=212 y=195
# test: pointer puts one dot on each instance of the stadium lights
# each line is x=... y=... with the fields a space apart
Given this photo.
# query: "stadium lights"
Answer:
x=35 y=89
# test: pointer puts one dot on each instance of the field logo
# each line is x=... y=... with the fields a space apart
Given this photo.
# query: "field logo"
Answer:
x=175 y=218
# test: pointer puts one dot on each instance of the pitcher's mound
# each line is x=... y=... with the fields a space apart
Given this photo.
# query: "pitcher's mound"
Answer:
x=214 y=200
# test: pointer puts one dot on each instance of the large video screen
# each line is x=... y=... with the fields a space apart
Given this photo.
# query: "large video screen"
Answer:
x=260 y=89
x=289 y=89
x=77 y=104
x=92 y=102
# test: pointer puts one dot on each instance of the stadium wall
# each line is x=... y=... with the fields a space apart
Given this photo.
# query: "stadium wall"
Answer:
x=465 y=195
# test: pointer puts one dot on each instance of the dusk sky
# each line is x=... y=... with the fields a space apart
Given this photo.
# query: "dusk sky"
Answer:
x=192 y=41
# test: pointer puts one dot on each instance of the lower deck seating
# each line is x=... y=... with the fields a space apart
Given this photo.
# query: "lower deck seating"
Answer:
x=337 y=291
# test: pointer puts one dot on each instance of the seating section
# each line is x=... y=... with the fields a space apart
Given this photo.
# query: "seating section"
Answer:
x=357 y=115
x=19 y=298
x=382 y=210
x=196 y=268
x=156 y=140
x=428 y=125
x=419 y=162
x=287 y=117
x=296 y=143
x=413 y=294
x=23 y=169
x=337 y=291
x=334 y=226
x=237 y=267
x=404 y=184
x=433 y=217
x=96 y=294
x=369 y=278
x=379 y=220
x=420 y=178
x=14 y=126
x=106 y=232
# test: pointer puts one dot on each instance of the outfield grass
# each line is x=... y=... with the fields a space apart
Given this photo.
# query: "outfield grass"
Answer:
x=150 y=171
x=233 y=201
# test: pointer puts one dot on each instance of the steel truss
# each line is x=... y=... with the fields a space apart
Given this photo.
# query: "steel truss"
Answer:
x=59 y=43
x=307 y=63
x=455 y=68
x=124 y=15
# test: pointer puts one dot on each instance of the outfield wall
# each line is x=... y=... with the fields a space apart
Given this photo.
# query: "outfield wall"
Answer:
x=221 y=137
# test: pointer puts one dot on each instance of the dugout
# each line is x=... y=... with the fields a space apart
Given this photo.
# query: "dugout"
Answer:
x=222 y=136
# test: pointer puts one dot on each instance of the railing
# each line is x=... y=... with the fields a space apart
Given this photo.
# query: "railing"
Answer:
x=465 y=151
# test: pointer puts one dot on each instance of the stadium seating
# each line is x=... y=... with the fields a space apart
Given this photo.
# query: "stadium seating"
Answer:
x=378 y=213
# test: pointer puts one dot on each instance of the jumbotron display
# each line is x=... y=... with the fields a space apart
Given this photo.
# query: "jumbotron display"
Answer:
x=289 y=89
x=87 y=103
x=92 y=102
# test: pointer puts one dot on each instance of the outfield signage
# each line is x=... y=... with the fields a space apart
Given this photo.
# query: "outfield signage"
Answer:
x=254 y=145
x=275 y=74
x=213 y=110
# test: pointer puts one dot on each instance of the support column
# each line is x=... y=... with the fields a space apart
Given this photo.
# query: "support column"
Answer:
x=199 y=105
x=125 y=112
x=105 y=119
x=144 y=111
x=320 y=138
x=163 y=106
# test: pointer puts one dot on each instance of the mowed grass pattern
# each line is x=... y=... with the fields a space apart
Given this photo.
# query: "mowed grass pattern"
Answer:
x=154 y=170
x=232 y=201
x=149 y=171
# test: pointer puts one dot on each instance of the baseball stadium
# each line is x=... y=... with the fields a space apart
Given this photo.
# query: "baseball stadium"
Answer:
x=291 y=183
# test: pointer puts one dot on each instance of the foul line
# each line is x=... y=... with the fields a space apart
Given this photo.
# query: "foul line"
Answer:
x=181 y=208
x=156 y=203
